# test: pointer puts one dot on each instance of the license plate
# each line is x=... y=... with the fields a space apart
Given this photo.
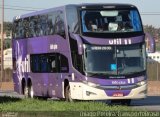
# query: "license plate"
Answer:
x=119 y=94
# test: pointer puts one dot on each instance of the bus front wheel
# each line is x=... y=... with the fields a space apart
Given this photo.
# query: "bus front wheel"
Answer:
x=25 y=90
x=67 y=94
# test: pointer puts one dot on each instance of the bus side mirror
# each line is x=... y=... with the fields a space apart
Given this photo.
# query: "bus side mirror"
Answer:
x=150 y=43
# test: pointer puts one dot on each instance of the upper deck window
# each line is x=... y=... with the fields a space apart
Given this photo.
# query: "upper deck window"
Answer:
x=110 y=21
x=72 y=19
x=50 y=23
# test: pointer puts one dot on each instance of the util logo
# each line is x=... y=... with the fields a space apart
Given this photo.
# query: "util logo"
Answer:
x=119 y=41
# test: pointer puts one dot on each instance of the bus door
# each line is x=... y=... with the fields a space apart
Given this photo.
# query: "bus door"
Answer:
x=53 y=75
x=43 y=76
x=63 y=69
x=39 y=73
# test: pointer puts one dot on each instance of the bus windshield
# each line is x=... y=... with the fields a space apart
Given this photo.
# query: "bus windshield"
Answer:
x=115 y=60
x=110 y=21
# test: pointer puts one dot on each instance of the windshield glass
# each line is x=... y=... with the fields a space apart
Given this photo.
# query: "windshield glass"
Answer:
x=109 y=21
x=114 y=60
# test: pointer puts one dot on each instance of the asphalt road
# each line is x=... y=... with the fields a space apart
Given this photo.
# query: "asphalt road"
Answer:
x=151 y=103
x=10 y=94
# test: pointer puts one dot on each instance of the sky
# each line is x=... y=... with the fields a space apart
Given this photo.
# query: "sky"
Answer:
x=149 y=9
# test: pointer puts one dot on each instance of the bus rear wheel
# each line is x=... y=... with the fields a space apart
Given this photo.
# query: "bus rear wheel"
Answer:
x=30 y=91
x=67 y=94
x=24 y=89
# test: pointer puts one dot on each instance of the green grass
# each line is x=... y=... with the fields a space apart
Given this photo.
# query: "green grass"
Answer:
x=15 y=104
x=50 y=108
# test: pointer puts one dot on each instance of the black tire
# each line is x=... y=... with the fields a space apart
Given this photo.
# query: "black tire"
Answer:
x=30 y=91
x=67 y=94
x=25 y=91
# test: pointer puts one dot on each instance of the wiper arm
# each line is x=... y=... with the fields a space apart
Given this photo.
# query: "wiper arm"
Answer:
x=98 y=73
x=92 y=74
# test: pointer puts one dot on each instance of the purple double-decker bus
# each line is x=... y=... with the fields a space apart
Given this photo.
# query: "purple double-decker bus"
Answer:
x=83 y=52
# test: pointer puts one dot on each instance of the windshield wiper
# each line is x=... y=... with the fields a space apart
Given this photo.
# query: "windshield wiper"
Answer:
x=98 y=73
x=127 y=71
x=92 y=74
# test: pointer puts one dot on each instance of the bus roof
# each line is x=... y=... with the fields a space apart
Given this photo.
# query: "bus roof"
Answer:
x=105 y=5
x=38 y=12
x=83 y=6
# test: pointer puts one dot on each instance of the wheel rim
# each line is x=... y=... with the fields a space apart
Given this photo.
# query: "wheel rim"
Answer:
x=25 y=91
x=31 y=92
x=68 y=94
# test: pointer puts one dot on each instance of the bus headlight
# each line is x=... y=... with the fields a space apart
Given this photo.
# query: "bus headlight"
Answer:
x=91 y=84
x=141 y=83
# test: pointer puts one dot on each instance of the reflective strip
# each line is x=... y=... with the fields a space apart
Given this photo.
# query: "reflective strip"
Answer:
x=73 y=76
x=132 y=80
x=129 y=81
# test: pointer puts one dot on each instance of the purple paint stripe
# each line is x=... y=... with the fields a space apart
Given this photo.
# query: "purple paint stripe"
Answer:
x=112 y=82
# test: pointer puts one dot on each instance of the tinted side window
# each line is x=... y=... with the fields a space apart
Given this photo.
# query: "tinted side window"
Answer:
x=64 y=64
x=50 y=28
x=49 y=63
x=26 y=31
x=44 y=25
x=40 y=25
x=20 y=30
x=35 y=63
x=40 y=63
x=44 y=63
x=72 y=20
x=33 y=26
x=59 y=26
x=52 y=63
x=14 y=30
x=77 y=61
x=17 y=29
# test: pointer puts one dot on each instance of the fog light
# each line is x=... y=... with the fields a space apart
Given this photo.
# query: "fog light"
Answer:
x=143 y=92
x=88 y=93
x=141 y=83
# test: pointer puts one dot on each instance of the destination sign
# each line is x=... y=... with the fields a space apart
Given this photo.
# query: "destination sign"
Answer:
x=101 y=48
